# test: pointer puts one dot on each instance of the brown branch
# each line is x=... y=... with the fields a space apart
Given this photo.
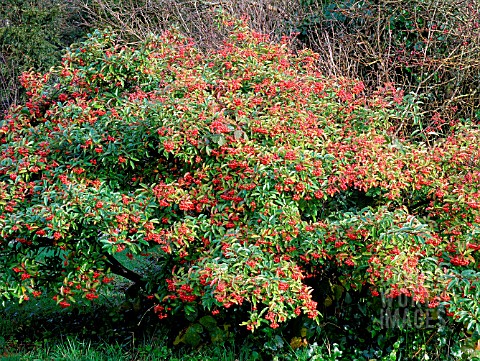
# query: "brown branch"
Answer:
x=119 y=269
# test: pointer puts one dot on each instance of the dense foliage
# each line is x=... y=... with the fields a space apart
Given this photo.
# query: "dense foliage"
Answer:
x=243 y=176
x=33 y=34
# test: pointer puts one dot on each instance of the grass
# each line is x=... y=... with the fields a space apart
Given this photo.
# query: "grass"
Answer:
x=106 y=330
x=42 y=331
x=74 y=349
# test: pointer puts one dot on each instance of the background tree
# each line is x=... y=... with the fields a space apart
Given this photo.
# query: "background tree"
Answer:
x=33 y=34
x=427 y=48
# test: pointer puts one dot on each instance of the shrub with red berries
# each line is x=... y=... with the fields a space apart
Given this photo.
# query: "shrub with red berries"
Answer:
x=239 y=173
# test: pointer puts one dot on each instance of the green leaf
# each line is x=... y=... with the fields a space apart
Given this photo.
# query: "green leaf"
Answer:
x=238 y=134
x=221 y=141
